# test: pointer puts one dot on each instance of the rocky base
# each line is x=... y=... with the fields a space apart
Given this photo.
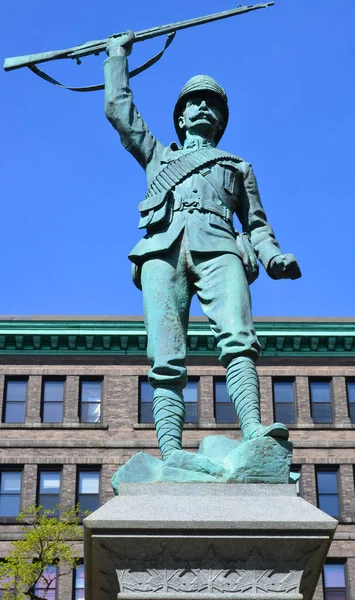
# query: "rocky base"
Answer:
x=218 y=460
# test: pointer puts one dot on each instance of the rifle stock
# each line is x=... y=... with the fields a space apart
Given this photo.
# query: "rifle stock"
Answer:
x=98 y=46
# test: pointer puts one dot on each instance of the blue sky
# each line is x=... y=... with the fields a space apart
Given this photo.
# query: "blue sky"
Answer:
x=70 y=192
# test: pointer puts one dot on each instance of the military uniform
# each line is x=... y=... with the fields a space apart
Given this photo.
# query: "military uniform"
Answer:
x=189 y=248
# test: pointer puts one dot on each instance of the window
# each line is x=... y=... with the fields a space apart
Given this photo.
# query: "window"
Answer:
x=79 y=583
x=350 y=385
x=90 y=401
x=52 y=407
x=191 y=402
x=327 y=491
x=284 y=401
x=46 y=586
x=49 y=489
x=10 y=493
x=224 y=411
x=15 y=400
x=146 y=401
x=321 y=401
x=88 y=489
x=334 y=581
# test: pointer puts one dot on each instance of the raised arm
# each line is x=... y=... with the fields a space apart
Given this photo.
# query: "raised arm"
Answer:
x=262 y=237
x=119 y=106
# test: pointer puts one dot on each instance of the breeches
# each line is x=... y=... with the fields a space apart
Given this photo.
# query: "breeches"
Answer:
x=168 y=283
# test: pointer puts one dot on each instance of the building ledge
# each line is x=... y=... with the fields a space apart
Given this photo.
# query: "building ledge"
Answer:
x=54 y=426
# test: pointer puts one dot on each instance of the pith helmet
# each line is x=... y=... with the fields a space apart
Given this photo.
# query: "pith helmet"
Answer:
x=206 y=85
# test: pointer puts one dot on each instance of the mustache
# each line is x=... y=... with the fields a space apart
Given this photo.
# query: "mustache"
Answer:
x=203 y=113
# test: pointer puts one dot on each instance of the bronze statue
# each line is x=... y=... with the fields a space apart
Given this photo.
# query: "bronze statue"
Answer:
x=192 y=247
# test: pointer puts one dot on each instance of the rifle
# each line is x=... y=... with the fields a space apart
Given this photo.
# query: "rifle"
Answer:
x=98 y=46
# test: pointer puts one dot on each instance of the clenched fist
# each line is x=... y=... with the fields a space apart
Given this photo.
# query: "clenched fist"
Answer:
x=284 y=266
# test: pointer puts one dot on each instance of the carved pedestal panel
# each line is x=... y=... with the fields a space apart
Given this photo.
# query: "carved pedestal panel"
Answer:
x=205 y=541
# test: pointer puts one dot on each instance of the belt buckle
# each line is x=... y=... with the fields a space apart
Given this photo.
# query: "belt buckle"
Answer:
x=190 y=205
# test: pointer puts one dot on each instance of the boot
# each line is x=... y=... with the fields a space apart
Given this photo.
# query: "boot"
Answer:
x=243 y=390
x=169 y=418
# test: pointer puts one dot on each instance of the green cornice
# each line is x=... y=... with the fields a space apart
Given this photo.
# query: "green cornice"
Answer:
x=109 y=336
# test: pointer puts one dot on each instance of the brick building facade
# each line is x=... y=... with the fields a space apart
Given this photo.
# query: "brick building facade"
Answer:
x=75 y=406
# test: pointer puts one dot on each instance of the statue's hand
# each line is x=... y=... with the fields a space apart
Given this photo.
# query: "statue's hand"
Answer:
x=120 y=44
x=248 y=255
x=284 y=266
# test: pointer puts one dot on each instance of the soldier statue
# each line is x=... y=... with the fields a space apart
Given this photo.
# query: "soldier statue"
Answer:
x=191 y=245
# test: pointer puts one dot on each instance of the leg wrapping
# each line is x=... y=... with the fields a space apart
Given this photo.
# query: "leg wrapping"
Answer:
x=243 y=390
x=169 y=417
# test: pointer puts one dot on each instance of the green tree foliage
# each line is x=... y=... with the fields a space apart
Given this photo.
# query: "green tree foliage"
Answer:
x=46 y=542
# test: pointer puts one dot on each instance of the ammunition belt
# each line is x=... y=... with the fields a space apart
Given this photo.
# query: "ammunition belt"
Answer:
x=176 y=171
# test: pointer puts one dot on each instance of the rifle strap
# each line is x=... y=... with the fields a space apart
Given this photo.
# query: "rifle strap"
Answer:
x=101 y=86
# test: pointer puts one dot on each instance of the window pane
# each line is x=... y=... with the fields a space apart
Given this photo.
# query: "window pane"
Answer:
x=52 y=412
x=15 y=412
x=334 y=576
x=329 y=595
x=283 y=392
x=352 y=412
x=320 y=391
x=90 y=391
x=351 y=391
x=329 y=504
x=225 y=413
x=89 y=482
x=49 y=502
x=146 y=392
x=284 y=413
x=53 y=391
x=49 y=482
x=9 y=505
x=88 y=502
x=322 y=413
x=220 y=392
x=90 y=413
x=146 y=413
x=191 y=413
x=327 y=482
x=16 y=391
x=79 y=577
x=191 y=391
x=10 y=481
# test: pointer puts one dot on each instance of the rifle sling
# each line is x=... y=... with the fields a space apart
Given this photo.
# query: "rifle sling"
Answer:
x=101 y=86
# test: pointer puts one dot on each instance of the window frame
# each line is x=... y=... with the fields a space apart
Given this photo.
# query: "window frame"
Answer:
x=9 y=379
x=291 y=380
x=87 y=469
x=61 y=379
x=12 y=469
x=328 y=380
x=49 y=469
x=339 y=561
x=91 y=379
x=327 y=469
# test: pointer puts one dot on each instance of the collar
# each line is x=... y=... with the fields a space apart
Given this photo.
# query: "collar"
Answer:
x=197 y=142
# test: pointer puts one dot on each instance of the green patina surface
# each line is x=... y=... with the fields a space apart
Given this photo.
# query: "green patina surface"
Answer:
x=128 y=337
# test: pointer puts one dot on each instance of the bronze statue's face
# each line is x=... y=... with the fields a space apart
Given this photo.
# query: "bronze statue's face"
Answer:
x=202 y=116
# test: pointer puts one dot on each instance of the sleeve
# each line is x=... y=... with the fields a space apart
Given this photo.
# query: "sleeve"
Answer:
x=123 y=115
x=253 y=219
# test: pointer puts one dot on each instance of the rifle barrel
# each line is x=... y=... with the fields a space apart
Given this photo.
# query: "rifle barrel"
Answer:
x=98 y=46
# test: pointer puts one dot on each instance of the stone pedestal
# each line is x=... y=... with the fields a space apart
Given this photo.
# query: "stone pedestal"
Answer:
x=193 y=541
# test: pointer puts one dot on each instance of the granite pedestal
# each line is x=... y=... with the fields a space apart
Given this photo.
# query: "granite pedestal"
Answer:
x=194 y=541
